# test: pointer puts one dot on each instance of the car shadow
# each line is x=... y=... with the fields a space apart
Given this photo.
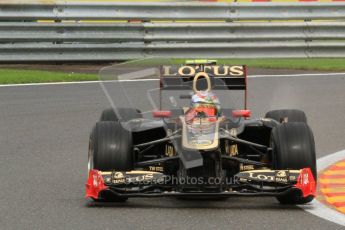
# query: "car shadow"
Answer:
x=173 y=203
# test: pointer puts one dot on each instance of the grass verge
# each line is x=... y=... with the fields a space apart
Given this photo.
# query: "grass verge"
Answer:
x=11 y=76
x=321 y=64
x=318 y=64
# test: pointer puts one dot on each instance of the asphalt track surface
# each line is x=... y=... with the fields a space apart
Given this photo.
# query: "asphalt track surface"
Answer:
x=43 y=161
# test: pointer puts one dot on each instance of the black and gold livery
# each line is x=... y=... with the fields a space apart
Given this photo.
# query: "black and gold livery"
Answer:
x=225 y=155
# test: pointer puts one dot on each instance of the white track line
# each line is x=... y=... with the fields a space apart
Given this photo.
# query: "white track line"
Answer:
x=319 y=209
x=139 y=80
x=298 y=75
x=72 y=83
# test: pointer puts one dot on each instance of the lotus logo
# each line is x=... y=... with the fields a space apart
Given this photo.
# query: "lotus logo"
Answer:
x=118 y=175
x=281 y=174
x=189 y=71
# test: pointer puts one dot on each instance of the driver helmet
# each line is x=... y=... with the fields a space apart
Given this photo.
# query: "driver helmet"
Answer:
x=205 y=103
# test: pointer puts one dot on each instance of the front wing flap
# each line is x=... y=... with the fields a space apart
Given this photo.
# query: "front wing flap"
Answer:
x=247 y=183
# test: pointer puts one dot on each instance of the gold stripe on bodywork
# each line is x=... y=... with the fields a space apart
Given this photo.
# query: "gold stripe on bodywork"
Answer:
x=269 y=170
x=142 y=172
x=131 y=172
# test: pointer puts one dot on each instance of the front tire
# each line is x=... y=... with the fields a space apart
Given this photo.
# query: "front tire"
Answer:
x=110 y=149
x=293 y=147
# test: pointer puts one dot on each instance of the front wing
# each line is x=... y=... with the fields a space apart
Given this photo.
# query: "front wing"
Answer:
x=156 y=184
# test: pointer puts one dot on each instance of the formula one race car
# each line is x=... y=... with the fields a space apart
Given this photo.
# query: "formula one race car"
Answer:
x=178 y=130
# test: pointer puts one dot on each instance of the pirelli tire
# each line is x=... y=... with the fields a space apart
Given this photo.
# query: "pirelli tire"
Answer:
x=292 y=115
x=293 y=147
x=110 y=149
x=123 y=114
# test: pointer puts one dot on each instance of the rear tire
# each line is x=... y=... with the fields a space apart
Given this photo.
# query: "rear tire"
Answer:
x=293 y=147
x=293 y=115
x=125 y=114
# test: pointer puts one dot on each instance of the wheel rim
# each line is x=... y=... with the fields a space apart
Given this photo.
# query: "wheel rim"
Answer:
x=90 y=157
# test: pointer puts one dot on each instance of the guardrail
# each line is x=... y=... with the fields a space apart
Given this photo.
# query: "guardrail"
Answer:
x=103 y=52
x=167 y=32
x=23 y=41
x=173 y=11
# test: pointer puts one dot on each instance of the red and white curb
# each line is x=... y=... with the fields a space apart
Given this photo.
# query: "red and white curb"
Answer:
x=332 y=186
x=319 y=208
